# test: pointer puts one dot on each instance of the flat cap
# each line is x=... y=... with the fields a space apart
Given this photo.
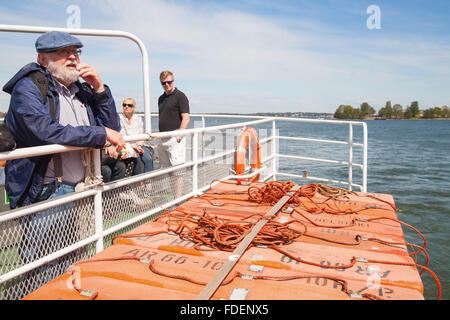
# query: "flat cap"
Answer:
x=53 y=40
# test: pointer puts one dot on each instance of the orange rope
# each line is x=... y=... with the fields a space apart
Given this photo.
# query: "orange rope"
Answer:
x=225 y=234
x=230 y=278
x=353 y=222
x=344 y=266
x=207 y=198
x=136 y=235
x=405 y=224
x=214 y=233
x=436 y=279
x=237 y=274
x=376 y=198
x=94 y=293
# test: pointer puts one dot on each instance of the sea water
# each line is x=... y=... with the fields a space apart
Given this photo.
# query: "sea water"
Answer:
x=409 y=159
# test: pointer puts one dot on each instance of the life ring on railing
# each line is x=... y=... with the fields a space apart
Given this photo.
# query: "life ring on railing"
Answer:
x=248 y=137
x=2 y=163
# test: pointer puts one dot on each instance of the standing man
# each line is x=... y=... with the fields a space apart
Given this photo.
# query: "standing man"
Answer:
x=67 y=113
x=173 y=106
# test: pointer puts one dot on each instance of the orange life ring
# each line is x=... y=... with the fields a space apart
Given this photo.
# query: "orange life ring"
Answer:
x=248 y=137
x=2 y=163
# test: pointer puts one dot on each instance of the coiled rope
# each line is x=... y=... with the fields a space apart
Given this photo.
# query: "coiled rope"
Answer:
x=225 y=234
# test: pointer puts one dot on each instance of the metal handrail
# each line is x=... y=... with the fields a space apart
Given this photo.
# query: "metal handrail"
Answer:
x=349 y=143
x=103 y=33
x=100 y=232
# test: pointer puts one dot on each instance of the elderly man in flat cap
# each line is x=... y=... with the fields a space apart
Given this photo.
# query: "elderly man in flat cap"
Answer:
x=49 y=105
x=71 y=114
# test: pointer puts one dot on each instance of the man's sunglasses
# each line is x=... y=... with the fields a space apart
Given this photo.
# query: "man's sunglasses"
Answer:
x=166 y=82
x=68 y=52
x=127 y=105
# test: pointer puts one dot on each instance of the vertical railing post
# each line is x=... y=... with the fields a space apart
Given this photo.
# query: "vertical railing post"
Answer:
x=98 y=221
x=364 y=176
x=203 y=137
x=350 y=156
x=98 y=206
x=195 y=161
x=274 y=151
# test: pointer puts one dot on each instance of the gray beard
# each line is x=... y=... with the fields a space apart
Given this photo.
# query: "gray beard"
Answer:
x=61 y=74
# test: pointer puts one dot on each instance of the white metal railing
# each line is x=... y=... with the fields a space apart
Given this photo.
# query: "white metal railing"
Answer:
x=102 y=33
x=100 y=232
x=349 y=143
x=196 y=160
x=197 y=136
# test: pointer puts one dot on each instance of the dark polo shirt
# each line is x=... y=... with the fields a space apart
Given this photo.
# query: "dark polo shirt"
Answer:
x=171 y=106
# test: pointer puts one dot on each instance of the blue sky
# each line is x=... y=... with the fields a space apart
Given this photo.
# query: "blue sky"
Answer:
x=255 y=55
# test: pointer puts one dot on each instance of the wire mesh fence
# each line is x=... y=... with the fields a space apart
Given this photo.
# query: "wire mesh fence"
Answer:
x=32 y=237
x=38 y=245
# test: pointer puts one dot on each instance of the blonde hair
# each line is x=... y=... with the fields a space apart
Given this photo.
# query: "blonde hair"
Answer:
x=133 y=101
x=164 y=74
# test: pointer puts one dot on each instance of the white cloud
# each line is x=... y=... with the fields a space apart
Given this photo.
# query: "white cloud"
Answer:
x=228 y=58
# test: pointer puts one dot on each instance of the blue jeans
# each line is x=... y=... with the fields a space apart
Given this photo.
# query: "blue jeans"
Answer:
x=45 y=232
x=145 y=162
x=56 y=189
x=114 y=171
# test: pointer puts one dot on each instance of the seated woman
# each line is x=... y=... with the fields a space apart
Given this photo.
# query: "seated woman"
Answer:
x=132 y=125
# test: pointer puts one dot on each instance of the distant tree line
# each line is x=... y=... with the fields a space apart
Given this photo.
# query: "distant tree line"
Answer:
x=348 y=112
x=437 y=112
x=412 y=111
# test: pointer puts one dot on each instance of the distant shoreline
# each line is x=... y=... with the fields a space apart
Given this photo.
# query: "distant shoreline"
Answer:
x=400 y=119
x=301 y=115
x=323 y=116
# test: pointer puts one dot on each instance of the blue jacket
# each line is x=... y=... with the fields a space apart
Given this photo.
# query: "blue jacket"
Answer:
x=30 y=122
